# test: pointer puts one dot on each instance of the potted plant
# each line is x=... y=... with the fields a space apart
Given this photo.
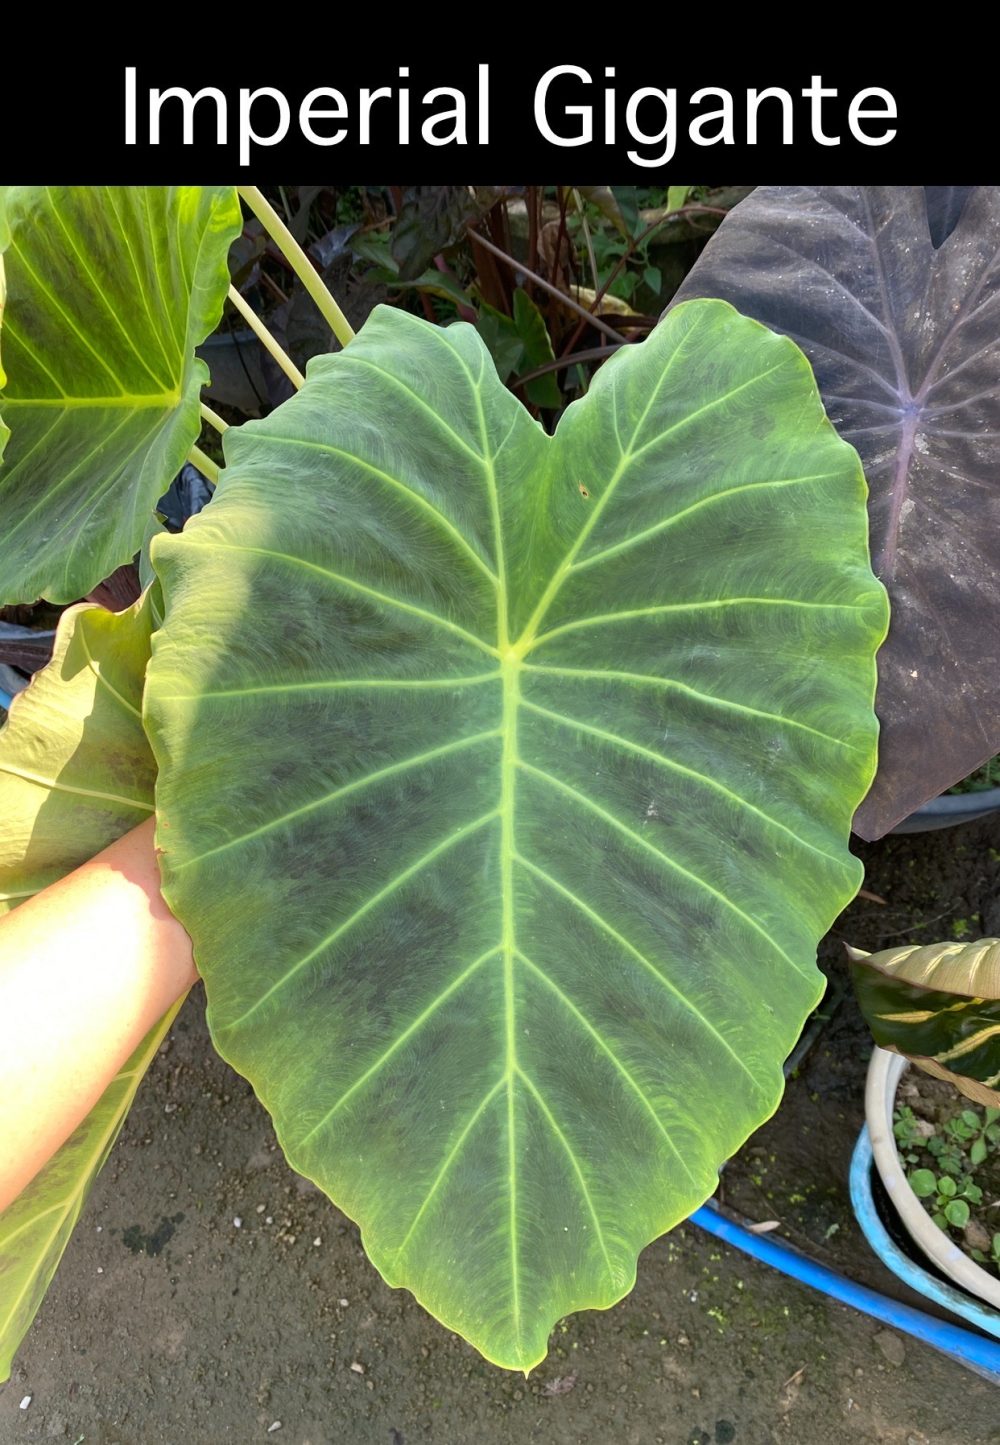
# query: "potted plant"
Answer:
x=973 y=798
x=937 y=1007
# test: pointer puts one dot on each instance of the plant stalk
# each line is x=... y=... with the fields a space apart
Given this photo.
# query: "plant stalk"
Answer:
x=266 y=339
x=636 y=241
x=299 y=262
x=561 y=296
x=213 y=418
x=596 y=353
x=588 y=239
x=205 y=465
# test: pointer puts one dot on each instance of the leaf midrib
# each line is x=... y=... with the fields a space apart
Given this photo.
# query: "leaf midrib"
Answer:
x=511 y=664
x=509 y=669
x=129 y=400
x=511 y=661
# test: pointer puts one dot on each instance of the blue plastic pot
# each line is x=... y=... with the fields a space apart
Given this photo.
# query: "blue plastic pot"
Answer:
x=902 y=1265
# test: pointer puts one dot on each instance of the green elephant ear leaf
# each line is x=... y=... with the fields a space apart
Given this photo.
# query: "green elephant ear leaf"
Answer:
x=537 y=343
x=939 y=1005
x=4 y=430
x=76 y=773
x=109 y=291
x=510 y=797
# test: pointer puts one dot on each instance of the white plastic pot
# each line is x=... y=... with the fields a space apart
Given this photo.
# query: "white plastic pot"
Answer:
x=884 y=1073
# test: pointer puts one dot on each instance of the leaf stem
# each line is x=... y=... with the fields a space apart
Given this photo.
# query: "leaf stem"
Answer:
x=630 y=249
x=213 y=418
x=588 y=239
x=265 y=338
x=205 y=465
x=561 y=296
x=299 y=262
x=596 y=353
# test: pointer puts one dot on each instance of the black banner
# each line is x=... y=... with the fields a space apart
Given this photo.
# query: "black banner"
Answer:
x=138 y=111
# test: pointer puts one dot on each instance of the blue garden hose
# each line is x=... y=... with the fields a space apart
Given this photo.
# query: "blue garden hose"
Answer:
x=973 y=1350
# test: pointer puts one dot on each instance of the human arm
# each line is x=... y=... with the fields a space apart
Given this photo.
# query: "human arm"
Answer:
x=87 y=967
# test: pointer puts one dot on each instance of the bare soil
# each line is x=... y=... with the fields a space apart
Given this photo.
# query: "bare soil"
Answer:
x=210 y=1295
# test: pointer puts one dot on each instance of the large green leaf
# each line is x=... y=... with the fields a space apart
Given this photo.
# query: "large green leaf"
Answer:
x=939 y=1005
x=4 y=429
x=75 y=774
x=109 y=291
x=76 y=771
x=505 y=786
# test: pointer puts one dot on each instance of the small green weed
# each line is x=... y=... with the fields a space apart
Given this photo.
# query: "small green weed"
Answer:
x=954 y=1167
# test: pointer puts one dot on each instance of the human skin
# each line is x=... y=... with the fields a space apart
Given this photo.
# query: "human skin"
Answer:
x=87 y=967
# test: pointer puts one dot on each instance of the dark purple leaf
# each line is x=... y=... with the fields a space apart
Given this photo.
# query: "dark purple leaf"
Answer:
x=24 y=647
x=335 y=244
x=119 y=590
x=298 y=223
x=188 y=494
x=433 y=218
x=905 y=342
x=944 y=206
x=233 y=355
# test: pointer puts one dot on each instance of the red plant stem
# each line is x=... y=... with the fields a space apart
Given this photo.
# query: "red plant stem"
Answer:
x=534 y=201
x=561 y=296
x=633 y=245
x=562 y=363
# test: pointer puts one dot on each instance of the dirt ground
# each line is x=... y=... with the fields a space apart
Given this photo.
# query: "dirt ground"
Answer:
x=209 y=1295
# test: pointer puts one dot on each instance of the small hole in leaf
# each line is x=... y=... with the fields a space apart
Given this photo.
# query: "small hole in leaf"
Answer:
x=583 y=492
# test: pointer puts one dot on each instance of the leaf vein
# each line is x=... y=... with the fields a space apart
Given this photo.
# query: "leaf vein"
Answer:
x=399 y=1040
x=575 y=725
x=577 y=1170
x=639 y=537
x=384 y=597
x=650 y=680
x=421 y=501
x=43 y=782
x=622 y=1068
x=452 y=1155
x=383 y=893
x=601 y=922
x=344 y=791
x=705 y=605
x=655 y=852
